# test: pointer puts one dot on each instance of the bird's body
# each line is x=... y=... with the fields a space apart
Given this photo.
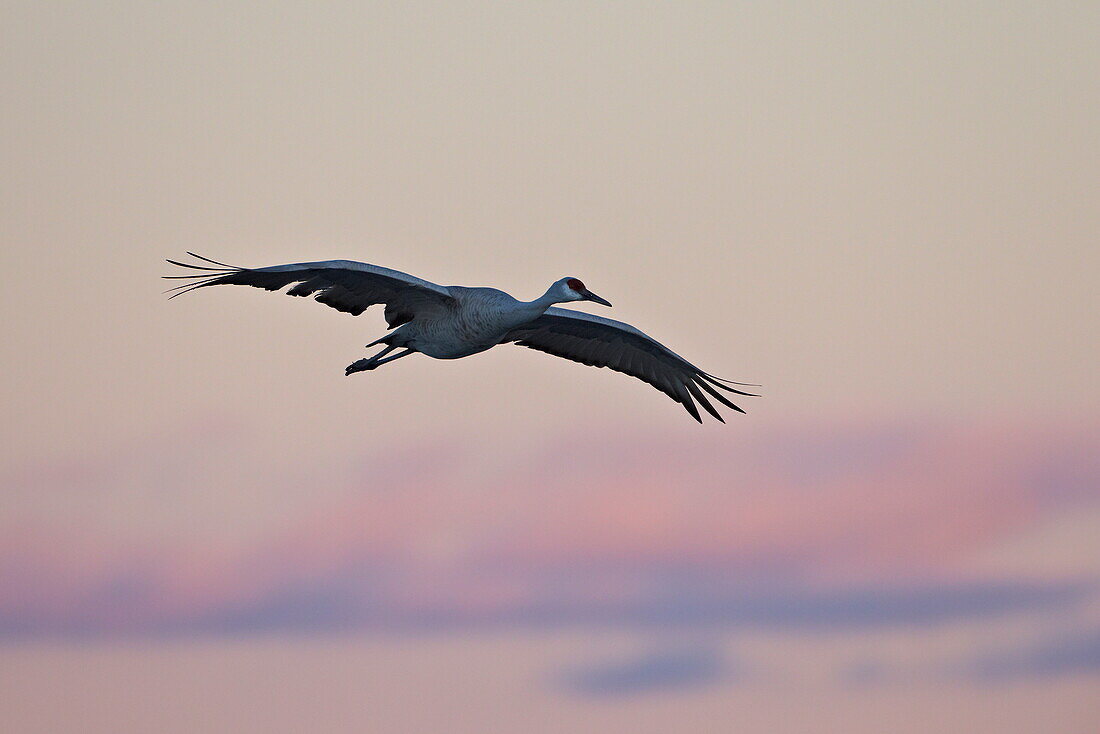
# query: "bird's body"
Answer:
x=479 y=320
x=449 y=322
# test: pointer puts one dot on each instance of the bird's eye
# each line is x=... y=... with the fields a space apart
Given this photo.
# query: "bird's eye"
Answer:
x=575 y=284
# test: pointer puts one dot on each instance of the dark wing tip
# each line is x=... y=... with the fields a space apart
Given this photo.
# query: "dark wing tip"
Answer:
x=714 y=381
x=215 y=262
x=702 y=400
x=729 y=382
x=208 y=276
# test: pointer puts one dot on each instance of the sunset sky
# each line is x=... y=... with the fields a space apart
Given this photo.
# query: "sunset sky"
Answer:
x=884 y=213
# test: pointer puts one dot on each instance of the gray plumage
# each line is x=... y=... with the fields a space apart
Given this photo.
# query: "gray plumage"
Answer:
x=448 y=322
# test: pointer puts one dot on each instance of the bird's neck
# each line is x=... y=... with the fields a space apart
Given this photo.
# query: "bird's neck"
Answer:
x=543 y=302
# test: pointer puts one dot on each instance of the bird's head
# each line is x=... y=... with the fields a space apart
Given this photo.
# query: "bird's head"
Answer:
x=572 y=289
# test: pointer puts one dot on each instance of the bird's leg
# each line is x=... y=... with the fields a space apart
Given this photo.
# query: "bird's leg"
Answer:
x=367 y=363
x=399 y=355
x=375 y=361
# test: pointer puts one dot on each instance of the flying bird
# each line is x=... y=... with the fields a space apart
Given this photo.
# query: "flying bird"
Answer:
x=448 y=322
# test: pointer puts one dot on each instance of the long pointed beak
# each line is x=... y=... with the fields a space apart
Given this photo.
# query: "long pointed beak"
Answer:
x=590 y=296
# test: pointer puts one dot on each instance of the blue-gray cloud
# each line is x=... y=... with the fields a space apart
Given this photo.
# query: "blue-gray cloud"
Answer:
x=702 y=605
x=1068 y=654
x=658 y=670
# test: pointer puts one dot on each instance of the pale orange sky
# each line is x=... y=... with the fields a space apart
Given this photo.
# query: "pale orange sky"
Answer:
x=865 y=209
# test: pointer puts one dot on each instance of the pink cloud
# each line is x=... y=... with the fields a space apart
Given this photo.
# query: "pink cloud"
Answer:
x=812 y=507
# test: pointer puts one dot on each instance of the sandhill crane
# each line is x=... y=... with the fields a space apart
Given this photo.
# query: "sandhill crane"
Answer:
x=448 y=322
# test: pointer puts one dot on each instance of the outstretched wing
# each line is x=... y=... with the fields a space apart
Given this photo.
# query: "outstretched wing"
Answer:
x=351 y=287
x=601 y=342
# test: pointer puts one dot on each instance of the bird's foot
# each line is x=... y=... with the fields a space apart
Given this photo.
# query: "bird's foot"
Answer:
x=360 y=365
